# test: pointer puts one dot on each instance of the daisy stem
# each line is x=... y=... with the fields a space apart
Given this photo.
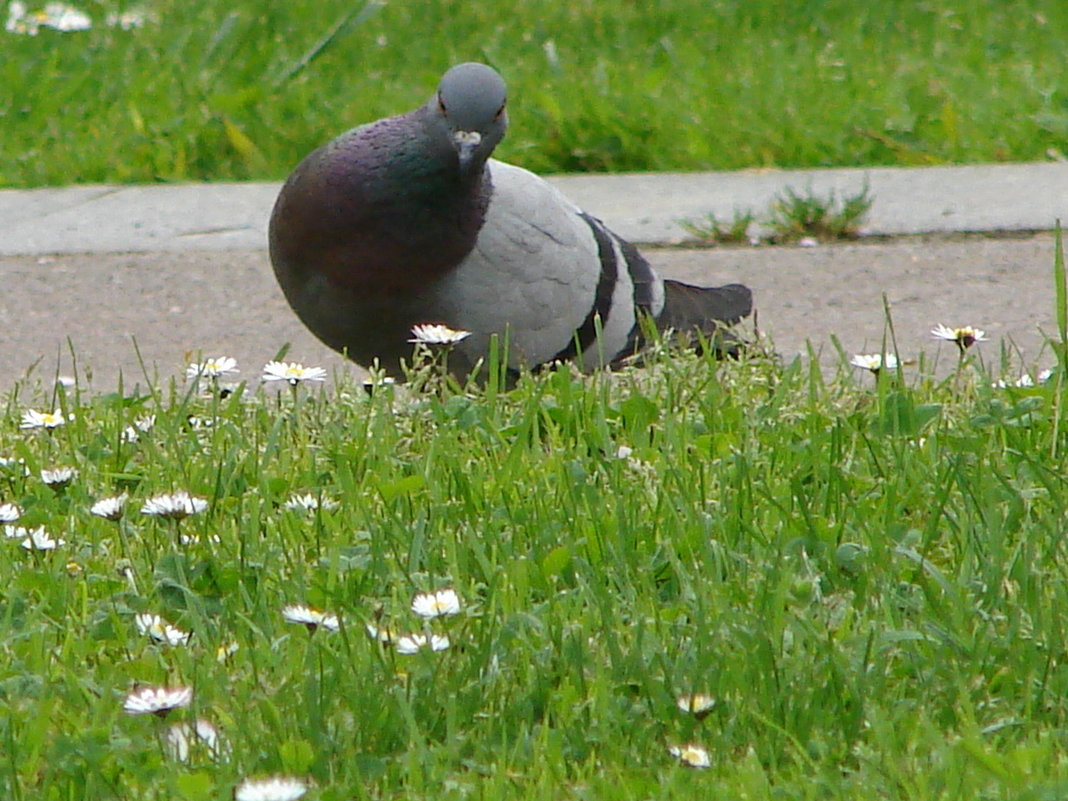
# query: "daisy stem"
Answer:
x=215 y=402
x=123 y=547
x=295 y=423
x=960 y=369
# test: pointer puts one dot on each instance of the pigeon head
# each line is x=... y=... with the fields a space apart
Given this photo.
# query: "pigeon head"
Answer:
x=469 y=106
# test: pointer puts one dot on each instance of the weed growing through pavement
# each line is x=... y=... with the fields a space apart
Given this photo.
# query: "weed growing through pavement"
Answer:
x=793 y=216
x=796 y=215
x=710 y=230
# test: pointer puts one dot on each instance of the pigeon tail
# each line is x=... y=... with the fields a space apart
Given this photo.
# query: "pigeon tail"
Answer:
x=409 y=220
x=704 y=309
x=695 y=316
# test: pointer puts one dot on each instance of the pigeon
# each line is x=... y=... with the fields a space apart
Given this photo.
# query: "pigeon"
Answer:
x=409 y=221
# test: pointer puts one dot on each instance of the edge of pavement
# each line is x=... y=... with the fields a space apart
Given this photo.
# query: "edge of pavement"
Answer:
x=642 y=207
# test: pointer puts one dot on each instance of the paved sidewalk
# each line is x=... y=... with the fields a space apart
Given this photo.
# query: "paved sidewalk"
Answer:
x=641 y=207
x=227 y=303
x=182 y=269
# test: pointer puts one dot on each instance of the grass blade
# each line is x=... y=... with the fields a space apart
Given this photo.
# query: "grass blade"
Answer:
x=351 y=19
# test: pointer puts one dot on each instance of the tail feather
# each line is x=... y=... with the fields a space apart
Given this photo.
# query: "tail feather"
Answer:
x=690 y=308
x=696 y=316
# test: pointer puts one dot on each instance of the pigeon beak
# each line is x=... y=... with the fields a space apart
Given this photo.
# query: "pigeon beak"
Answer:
x=467 y=143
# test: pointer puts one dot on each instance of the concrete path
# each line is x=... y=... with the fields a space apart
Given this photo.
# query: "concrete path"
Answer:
x=183 y=269
x=643 y=208
x=173 y=305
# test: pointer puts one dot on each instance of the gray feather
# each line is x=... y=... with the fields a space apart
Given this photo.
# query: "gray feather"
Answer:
x=408 y=220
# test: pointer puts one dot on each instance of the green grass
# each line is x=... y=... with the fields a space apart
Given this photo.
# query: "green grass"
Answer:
x=795 y=215
x=866 y=572
x=709 y=230
x=792 y=216
x=238 y=90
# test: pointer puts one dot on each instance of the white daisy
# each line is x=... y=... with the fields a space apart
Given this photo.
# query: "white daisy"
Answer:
x=34 y=419
x=1044 y=376
x=309 y=503
x=9 y=513
x=16 y=19
x=312 y=618
x=14 y=465
x=41 y=540
x=195 y=539
x=292 y=372
x=126 y=571
x=1023 y=382
x=145 y=423
x=157 y=700
x=159 y=630
x=215 y=367
x=141 y=425
x=177 y=506
x=698 y=704
x=413 y=643
x=964 y=337
x=384 y=635
x=436 y=604
x=130 y=18
x=180 y=738
x=55 y=15
x=59 y=477
x=225 y=651
x=275 y=788
x=693 y=756
x=372 y=385
x=61 y=17
x=435 y=334
x=109 y=508
x=874 y=361
x=15 y=532
x=228 y=388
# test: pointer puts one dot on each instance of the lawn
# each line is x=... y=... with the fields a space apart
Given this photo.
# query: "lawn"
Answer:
x=808 y=586
x=210 y=90
x=854 y=583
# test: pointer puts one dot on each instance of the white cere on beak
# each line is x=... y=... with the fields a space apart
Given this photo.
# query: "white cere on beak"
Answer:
x=469 y=138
